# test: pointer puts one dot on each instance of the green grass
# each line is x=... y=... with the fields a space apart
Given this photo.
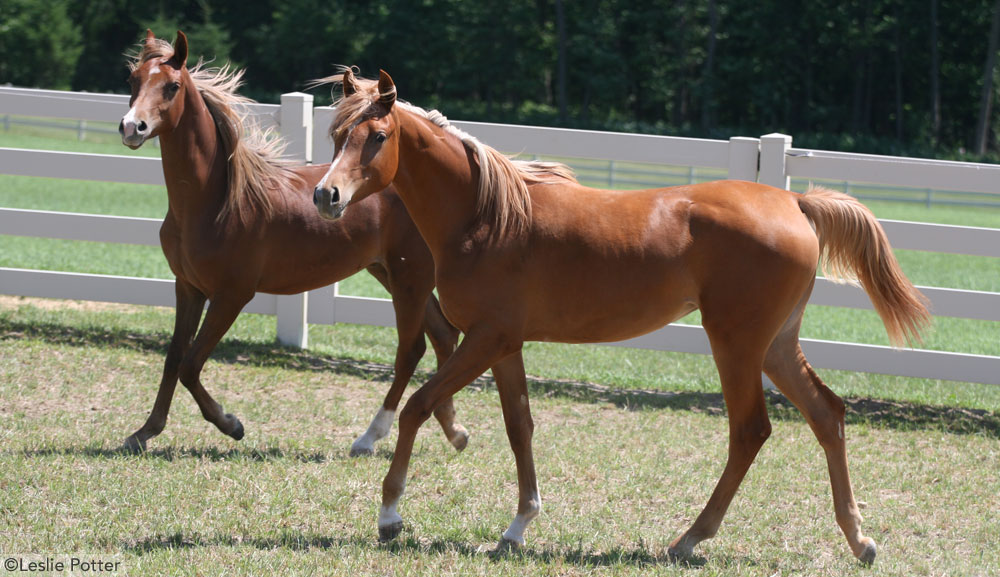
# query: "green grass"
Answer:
x=621 y=473
x=628 y=442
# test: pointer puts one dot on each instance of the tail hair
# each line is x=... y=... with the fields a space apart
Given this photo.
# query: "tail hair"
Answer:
x=853 y=246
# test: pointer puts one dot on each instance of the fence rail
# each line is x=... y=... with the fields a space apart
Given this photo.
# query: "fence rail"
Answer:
x=739 y=157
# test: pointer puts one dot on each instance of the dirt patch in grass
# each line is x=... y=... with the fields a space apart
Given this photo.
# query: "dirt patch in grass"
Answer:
x=8 y=302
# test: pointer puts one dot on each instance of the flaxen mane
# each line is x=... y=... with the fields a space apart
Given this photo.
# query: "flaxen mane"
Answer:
x=255 y=157
x=503 y=198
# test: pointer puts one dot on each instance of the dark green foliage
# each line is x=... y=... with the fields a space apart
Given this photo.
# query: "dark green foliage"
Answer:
x=849 y=74
x=39 y=43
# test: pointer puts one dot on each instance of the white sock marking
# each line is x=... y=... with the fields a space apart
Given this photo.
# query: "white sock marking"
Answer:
x=515 y=533
x=379 y=428
x=387 y=515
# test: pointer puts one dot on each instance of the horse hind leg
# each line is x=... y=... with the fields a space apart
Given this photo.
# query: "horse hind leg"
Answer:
x=749 y=427
x=412 y=318
x=222 y=312
x=444 y=339
x=786 y=365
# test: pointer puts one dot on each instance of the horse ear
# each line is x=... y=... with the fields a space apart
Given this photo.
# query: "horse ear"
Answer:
x=150 y=39
x=386 y=89
x=349 y=83
x=180 y=49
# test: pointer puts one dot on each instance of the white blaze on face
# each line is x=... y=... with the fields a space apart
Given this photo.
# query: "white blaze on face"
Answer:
x=337 y=158
x=129 y=123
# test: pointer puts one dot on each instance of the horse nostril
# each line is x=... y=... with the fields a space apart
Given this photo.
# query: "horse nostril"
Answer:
x=335 y=196
x=121 y=127
x=142 y=126
x=317 y=195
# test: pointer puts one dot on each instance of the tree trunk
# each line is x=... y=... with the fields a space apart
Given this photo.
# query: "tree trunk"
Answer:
x=898 y=65
x=986 y=100
x=707 y=74
x=561 y=70
x=935 y=77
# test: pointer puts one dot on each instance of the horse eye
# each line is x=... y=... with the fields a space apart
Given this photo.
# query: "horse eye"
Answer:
x=380 y=137
x=173 y=87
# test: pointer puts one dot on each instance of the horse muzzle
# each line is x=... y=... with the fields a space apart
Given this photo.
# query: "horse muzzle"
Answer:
x=133 y=133
x=328 y=202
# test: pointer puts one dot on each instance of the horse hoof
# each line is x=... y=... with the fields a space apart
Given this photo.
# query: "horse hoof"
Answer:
x=507 y=546
x=680 y=554
x=460 y=440
x=390 y=531
x=134 y=445
x=867 y=556
x=237 y=432
x=361 y=451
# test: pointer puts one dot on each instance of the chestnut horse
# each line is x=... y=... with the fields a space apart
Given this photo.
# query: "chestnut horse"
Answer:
x=526 y=253
x=238 y=219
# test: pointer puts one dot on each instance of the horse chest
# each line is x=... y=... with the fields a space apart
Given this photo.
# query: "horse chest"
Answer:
x=194 y=257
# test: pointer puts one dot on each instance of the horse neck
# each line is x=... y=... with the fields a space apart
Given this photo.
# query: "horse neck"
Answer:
x=194 y=166
x=437 y=181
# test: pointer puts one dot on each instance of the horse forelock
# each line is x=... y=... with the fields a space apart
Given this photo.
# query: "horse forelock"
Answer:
x=254 y=156
x=155 y=48
x=502 y=196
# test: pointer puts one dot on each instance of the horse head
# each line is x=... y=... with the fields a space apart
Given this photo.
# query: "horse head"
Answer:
x=157 y=80
x=366 y=146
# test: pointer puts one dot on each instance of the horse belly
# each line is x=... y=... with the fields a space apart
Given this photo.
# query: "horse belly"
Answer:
x=612 y=307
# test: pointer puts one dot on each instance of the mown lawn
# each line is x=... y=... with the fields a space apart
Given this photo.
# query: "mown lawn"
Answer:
x=628 y=442
x=621 y=472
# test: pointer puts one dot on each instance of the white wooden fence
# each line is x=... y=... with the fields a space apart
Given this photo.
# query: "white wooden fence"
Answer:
x=770 y=159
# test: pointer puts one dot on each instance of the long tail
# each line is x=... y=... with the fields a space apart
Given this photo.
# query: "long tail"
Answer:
x=854 y=246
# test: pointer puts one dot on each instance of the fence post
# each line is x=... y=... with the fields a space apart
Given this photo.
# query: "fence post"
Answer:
x=744 y=154
x=296 y=128
x=772 y=160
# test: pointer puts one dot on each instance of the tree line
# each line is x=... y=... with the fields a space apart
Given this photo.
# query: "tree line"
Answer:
x=911 y=77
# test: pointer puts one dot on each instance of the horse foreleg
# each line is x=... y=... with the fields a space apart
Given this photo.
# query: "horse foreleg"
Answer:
x=478 y=352
x=513 y=389
x=749 y=427
x=222 y=312
x=190 y=304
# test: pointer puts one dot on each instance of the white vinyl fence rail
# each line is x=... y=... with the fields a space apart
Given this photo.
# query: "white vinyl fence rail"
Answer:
x=770 y=159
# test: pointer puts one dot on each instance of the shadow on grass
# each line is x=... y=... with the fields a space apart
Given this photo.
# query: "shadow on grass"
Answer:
x=875 y=412
x=640 y=556
x=178 y=453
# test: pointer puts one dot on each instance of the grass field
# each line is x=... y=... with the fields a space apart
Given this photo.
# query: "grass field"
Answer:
x=628 y=443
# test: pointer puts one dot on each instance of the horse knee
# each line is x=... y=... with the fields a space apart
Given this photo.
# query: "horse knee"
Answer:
x=189 y=372
x=417 y=351
x=415 y=412
x=752 y=435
